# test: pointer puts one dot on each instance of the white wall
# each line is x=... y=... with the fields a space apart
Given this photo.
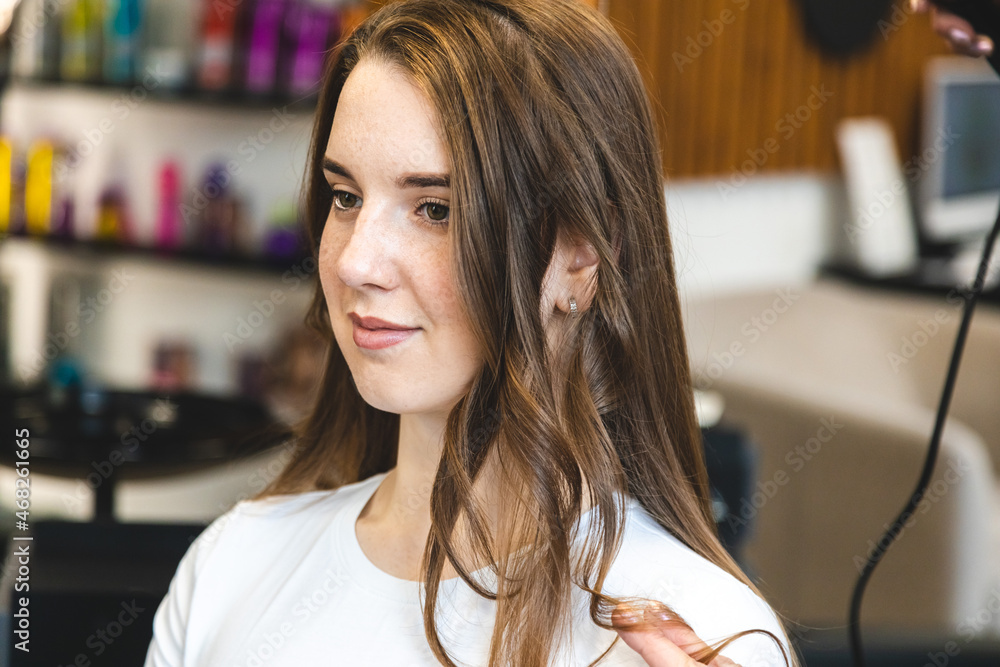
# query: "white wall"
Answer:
x=774 y=231
x=223 y=315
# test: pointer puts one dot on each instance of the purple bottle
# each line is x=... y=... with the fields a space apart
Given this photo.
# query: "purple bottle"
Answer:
x=310 y=27
x=265 y=41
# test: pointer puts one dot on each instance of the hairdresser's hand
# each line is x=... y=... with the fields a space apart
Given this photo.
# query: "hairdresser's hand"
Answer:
x=956 y=30
x=663 y=642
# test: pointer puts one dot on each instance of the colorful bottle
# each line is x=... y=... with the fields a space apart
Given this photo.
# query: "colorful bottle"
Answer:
x=168 y=226
x=218 y=43
x=52 y=46
x=121 y=41
x=63 y=192
x=221 y=226
x=81 y=40
x=169 y=31
x=28 y=39
x=310 y=26
x=6 y=185
x=283 y=237
x=38 y=188
x=265 y=41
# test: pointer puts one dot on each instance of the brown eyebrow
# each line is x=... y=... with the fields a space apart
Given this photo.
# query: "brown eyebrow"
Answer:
x=408 y=181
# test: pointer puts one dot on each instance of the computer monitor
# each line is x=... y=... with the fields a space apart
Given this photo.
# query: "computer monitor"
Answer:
x=959 y=163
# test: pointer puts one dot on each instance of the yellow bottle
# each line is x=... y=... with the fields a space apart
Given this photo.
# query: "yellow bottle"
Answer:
x=6 y=184
x=38 y=188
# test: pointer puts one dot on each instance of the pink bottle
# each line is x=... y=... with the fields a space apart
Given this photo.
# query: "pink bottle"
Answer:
x=168 y=225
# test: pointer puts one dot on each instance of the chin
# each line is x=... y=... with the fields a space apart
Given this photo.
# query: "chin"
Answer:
x=379 y=400
x=402 y=395
x=397 y=407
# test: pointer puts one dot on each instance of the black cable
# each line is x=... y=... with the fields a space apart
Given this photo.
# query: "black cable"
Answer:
x=887 y=538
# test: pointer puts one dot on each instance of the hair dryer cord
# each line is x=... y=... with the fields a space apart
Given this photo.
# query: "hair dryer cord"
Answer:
x=885 y=541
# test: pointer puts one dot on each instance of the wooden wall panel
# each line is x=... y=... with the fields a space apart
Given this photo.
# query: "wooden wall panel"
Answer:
x=732 y=97
x=729 y=99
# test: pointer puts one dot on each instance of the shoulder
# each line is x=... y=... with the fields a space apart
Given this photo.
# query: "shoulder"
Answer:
x=655 y=564
x=241 y=545
x=295 y=514
x=274 y=523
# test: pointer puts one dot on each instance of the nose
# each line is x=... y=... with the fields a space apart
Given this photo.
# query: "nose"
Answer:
x=366 y=250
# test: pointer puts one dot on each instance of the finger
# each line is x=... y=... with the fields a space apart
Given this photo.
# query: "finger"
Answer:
x=722 y=661
x=648 y=640
x=960 y=34
x=655 y=649
x=676 y=644
x=684 y=637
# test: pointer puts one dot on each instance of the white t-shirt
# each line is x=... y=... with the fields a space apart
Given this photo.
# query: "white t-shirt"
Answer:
x=283 y=582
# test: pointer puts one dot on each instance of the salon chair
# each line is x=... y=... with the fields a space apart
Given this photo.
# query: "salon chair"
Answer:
x=838 y=385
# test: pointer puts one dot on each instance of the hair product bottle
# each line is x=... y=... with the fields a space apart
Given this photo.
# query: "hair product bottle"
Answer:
x=121 y=40
x=216 y=58
x=169 y=29
x=81 y=40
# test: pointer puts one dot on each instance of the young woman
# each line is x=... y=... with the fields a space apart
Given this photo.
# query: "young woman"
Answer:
x=504 y=453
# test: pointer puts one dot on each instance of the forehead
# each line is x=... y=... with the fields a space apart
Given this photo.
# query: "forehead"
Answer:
x=383 y=118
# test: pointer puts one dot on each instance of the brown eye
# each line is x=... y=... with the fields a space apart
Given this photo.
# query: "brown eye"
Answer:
x=436 y=212
x=344 y=200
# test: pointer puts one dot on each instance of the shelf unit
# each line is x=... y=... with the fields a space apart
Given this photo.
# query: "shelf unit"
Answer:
x=182 y=257
x=184 y=293
x=187 y=95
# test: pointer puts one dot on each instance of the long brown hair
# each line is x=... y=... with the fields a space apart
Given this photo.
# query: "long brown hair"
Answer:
x=548 y=127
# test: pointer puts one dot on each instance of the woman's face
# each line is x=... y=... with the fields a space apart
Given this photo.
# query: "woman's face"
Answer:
x=385 y=251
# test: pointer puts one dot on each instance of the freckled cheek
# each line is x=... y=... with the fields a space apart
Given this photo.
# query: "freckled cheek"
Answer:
x=444 y=306
x=330 y=250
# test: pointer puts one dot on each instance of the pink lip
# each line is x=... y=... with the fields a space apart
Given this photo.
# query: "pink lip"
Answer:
x=376 y=323
x=376 y=339
x=372 y=333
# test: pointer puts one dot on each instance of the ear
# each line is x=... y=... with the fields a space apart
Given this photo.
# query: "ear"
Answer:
x=571 y=273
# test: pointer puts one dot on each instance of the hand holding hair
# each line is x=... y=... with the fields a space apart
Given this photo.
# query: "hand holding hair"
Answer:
x=959 y=32
x=662 y=640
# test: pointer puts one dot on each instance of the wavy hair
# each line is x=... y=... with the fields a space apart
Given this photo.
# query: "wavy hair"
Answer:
x=548 y=128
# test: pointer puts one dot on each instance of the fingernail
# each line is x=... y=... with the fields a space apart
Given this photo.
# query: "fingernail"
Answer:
x=984 y=45
x=659 y=613
x=661 y=616
x=960 y=36
x=629 y=617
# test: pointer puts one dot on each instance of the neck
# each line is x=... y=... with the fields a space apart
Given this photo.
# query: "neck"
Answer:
x=404 y=496
x=400 y=505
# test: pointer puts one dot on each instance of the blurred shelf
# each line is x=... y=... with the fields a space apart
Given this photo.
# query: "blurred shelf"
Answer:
x=179 y=257
x=919 y=282
x=105 y=435
x=237 y=100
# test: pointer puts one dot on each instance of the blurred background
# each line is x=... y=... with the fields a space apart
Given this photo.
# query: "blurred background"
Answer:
x=831 y=173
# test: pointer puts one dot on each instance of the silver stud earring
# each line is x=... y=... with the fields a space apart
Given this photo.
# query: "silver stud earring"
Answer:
x=572 y=307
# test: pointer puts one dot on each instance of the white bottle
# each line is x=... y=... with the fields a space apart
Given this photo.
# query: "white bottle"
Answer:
x=170 y=28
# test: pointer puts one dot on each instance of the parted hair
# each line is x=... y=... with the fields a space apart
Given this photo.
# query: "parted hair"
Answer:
x=547 y=127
